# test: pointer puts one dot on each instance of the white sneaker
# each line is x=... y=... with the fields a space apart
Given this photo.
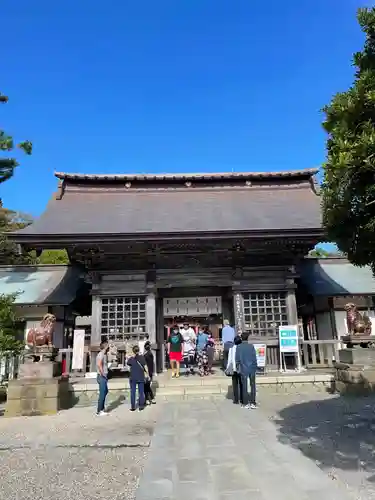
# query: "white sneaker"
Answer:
x=103 y=414
x=253 y=406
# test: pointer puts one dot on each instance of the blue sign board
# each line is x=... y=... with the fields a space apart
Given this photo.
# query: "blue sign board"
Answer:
x=288 y=338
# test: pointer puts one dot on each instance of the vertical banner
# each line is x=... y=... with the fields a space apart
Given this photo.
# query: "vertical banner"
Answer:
x=78 y=350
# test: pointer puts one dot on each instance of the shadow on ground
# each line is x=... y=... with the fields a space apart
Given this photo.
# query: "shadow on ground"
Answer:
x=337 y=433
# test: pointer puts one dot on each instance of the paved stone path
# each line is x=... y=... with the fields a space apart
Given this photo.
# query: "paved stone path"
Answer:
x=214 y=450
x=74 y=455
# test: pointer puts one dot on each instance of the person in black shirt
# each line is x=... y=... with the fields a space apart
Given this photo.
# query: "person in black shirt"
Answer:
x=138 y=376
x=149 y=357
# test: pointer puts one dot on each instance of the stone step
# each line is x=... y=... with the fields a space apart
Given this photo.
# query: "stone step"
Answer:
x=211 y=387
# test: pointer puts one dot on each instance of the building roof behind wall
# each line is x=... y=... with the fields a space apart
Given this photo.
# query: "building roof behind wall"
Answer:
x=337 y=276
x=40 y=285
x=134 y=206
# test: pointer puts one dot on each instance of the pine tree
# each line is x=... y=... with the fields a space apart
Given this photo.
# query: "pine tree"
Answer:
x=348 y=188
x=8 y=165
x=10 y=331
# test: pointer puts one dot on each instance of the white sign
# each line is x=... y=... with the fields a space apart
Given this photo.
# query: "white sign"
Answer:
x=192 y=306
x=288 y=338
x=141 y=345
x=260 y=350
x=78 y=349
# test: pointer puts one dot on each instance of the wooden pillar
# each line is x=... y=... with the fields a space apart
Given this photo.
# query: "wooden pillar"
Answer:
x=238 y=312
x=160 y=341
x=95 y=320
x=291 y=305
x=151 y=316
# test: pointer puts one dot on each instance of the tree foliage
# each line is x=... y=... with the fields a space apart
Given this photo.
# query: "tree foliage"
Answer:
x=9 y=251
x=348 y=189
x=321 y=253
x=53 y=257
x=7 y=144
x=10 y=331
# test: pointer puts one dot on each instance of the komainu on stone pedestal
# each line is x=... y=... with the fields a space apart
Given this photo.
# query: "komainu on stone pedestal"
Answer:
x=39 y=388
x=359 y=328
x=39 y=344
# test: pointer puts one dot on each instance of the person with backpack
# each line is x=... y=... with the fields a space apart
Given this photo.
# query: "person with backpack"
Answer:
x=246 y=366
x=138 y=376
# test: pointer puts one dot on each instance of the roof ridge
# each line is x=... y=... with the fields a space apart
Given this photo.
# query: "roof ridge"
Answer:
x=310 y=172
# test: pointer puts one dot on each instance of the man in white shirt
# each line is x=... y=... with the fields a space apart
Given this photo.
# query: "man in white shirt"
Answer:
x=190 y=338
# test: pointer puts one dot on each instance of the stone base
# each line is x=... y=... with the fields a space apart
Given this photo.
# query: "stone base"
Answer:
x=357 y=356
x=358 y=340
x=37 y=396
x=40 y=370
x=354 y=380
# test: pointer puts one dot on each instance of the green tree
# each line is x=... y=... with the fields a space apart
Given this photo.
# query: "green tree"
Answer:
x=9 y=251
x=53 y=257
x=8 y=165
x=348 y=190
x=10 y=331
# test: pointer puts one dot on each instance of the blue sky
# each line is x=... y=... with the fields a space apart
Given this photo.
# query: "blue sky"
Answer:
x=169 y=86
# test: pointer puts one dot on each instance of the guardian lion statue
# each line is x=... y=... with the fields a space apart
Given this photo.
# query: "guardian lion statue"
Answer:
x=42 y=334
x=358 y=324
x=39 y=341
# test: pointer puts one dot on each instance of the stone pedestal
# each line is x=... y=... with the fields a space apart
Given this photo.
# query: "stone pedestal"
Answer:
x=355 y=371
x=358 y=356
x=39 y=390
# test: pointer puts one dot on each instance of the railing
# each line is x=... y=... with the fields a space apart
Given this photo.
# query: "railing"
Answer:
x=314 y=354
x=9 y=367
x=320 y=353
x=65 y=357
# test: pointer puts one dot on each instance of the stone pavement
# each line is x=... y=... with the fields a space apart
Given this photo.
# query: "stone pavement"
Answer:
x=214 y=450
x=75 y=454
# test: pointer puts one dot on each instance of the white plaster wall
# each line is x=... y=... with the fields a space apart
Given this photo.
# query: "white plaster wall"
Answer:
x=340 y=317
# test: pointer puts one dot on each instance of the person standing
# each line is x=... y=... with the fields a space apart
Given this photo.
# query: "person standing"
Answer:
x=246 y=365
x=227 y=337
x=236 y=377
x=150 y=363
x=190 y=338
x=202 y=358
x=210 y=350
x=175 y=344
x=102 y=377
x=138 y=376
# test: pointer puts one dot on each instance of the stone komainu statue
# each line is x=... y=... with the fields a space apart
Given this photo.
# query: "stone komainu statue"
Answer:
x=358 y=324
x=41 y=335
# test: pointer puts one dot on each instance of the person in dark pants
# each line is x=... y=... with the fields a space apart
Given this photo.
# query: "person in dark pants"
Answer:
x=246 y=365
x=138 y=376
x=237 y=386
x=149 y=358
x=102 y=377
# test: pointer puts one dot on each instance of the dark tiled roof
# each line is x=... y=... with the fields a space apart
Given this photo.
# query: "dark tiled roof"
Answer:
x=84 y=210
x=48 y=285
x=332 y=277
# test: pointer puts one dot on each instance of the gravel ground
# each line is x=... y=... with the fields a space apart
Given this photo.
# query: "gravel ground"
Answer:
x=75 y=455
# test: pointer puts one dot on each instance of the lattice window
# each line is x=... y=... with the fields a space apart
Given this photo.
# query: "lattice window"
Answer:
x=264 y=313
x=123 y=318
